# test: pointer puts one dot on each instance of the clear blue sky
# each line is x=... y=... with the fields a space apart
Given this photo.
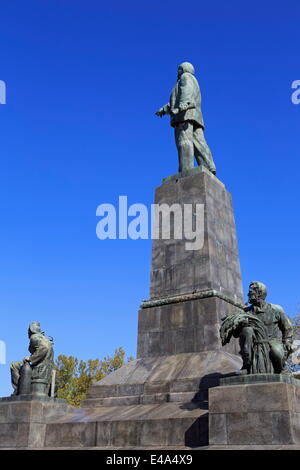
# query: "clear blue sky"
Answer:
x=84 y=79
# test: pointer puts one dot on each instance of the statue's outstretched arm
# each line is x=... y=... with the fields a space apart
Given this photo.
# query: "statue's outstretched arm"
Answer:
x=163 y=110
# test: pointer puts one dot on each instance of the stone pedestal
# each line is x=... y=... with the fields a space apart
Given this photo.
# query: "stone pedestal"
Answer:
x=160 y=425
x=179 y=349
x=160 y=399
x=257 y=413
x=192 y=290
x=23 y=419
x=175 y=270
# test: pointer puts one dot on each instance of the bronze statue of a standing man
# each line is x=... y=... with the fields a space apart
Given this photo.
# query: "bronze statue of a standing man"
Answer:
x=187 y=120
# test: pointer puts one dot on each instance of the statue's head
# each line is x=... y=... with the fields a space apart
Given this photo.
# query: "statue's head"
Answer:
x=185 y=67
x=257 y=292
x=34 y=327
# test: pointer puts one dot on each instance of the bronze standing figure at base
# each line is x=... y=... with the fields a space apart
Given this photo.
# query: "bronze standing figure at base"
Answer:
x=264 y=332
x=33 y=374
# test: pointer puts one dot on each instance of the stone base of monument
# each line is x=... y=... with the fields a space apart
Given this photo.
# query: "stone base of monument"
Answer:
x=255 y=410
x=253 y=415
x=159 y=425
x=23 y=419
x=154 y=401
x=161 y=398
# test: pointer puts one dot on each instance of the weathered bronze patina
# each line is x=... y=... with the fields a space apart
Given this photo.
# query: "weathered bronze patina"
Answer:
x=34 y=373
x=187 y=120
x=264 y=332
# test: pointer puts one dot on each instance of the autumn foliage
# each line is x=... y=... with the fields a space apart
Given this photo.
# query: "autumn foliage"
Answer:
x=74 y=376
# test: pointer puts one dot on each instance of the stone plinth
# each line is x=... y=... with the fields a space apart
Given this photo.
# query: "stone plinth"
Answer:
x=23 y=419
x=247 y=379
x=173 y=378
x=215 y=266
x=258 y=413
x=179 y=345
x=131 y=426
x=189 y=324
x=160 y=399
x=192 y=290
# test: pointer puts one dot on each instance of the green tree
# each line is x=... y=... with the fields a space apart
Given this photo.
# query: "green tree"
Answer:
x=74 y=376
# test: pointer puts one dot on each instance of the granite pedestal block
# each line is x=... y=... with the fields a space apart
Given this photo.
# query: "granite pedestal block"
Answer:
x=184 y=326
x=178 y=327
x=259 y=413
x=160 y=399
x=155 y=425
x=23 y=419
x=176 y=270
x=173 y=378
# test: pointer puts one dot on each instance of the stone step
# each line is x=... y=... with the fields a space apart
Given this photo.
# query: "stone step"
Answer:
x=177 y=377
x=139 y=426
